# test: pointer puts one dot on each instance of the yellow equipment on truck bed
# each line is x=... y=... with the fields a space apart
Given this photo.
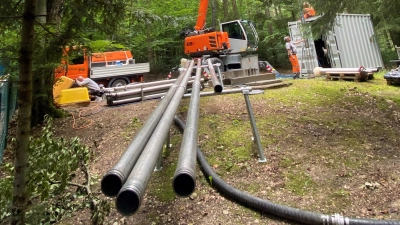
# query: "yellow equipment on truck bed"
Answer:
x=73 y=95
x=63 y=94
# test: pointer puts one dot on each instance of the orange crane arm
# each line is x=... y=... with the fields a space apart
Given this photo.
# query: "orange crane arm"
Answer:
x=201 y=17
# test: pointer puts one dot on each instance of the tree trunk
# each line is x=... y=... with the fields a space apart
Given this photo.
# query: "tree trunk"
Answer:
x=268 y=18
x=24 y=114
x=280 y=11
x=150 y=51
x=42 y=102
x=235 y=11
x=388 y=40
x=395 y=36
x=293 y=15
x=41 y=11
x=226 y=11
x=55 y=12
x=42 y=93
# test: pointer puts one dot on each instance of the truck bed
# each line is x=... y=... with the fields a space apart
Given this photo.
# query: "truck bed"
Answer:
x=115 y=71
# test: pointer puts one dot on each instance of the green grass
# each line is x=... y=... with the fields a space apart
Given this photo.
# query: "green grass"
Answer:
x=162 y=189
x=133 y=126
x=339 y=114
x=300 y=183
x=233 y=136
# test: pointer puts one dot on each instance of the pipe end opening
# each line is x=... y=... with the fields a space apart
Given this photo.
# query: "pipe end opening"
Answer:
x=127 y=202
x=111 y=184
x=184 y=185
x=218 y=88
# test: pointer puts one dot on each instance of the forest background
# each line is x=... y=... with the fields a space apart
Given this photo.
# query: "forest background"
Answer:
x=32 y=32
x=151 y=30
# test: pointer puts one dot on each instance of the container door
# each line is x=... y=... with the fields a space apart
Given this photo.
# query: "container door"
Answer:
x=355 y=38
x=332 y=52
x=307 y=55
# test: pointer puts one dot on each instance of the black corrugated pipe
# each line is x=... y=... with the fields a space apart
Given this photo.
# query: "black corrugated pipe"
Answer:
x=113 y=180
x=184 y=180
x=265 y=206
x=131 y=194
x=214 y=79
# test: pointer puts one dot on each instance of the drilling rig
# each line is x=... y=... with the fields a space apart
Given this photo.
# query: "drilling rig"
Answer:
x=234 y=45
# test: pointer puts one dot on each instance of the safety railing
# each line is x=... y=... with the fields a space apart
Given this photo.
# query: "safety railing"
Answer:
x=8 y=98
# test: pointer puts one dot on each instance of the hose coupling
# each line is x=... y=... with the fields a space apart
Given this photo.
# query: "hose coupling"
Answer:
x=335 y=219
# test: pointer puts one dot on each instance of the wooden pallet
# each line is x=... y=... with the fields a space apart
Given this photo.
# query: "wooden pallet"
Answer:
x=346 y=76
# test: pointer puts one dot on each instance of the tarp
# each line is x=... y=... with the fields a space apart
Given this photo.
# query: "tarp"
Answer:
x=2 y=70
x=265 y=65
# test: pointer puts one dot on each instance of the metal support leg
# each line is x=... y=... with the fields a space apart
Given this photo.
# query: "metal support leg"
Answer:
x=220 y=77
x=141 y=92
x=168 y=144
x=159 y=161
x=253 y=126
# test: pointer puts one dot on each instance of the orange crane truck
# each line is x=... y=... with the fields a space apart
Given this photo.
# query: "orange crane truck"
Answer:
x=111 y=69
x=233 y=46
x=108 y=69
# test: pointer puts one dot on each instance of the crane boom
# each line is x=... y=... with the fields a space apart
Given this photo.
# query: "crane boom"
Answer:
x=202 y=15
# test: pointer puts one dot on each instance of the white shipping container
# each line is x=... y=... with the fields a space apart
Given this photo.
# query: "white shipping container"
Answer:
x=350 y=44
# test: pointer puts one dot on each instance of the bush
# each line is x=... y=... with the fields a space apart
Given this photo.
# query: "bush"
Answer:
x=52 y=162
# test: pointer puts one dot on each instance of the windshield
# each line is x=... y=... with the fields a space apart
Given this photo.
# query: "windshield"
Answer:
x=252 y=37
x=234 y=30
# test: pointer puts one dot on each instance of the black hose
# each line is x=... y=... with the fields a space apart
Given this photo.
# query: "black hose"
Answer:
x=265 y=206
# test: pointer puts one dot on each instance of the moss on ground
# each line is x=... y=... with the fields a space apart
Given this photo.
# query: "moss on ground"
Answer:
x=291 y=123
x=300 y=183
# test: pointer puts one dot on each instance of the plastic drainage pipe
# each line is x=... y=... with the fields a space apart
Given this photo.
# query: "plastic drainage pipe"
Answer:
x=265 y=206
x=318 y=71
x=131 y=194
x=113 y=180
x=184 y=180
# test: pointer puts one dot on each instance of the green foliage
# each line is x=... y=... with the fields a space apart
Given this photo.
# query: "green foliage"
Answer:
x=6 y=190
x=104 y=46
x=152 y=33
x=53 y=162
x=100 y=209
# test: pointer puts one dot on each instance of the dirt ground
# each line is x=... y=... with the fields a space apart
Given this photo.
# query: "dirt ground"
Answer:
x=335 y=180
x=323 y=155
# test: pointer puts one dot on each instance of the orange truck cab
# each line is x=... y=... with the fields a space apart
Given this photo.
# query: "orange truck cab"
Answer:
x=111 y=69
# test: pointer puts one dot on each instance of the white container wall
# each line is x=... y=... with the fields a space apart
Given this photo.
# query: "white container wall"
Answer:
x=350 y=44
x=356 y=41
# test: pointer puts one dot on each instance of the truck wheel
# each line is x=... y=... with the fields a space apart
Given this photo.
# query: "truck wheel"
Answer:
x=119 y=82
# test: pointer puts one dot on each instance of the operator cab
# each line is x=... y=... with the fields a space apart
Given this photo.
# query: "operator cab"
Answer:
x=242 y=35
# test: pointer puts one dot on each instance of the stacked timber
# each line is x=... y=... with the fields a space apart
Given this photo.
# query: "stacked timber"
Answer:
x=341 y=74
x=346 y=76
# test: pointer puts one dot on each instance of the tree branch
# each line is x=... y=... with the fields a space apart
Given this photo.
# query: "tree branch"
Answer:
x=85 y=186
x=88 y=178
x=70 y=183
x=10 y=17
x=46 y=29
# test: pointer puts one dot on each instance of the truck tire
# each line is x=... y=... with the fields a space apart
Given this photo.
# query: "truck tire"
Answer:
x=119 y=82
